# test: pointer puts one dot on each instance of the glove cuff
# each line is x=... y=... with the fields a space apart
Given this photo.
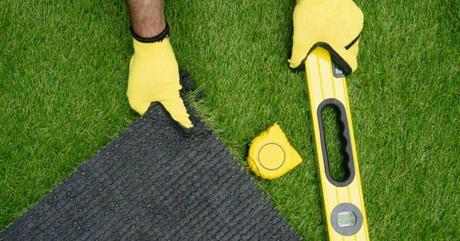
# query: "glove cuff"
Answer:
x=164 y=34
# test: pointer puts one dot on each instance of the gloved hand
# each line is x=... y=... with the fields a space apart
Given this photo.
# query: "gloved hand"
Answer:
x=154 y=76
x=332 y=24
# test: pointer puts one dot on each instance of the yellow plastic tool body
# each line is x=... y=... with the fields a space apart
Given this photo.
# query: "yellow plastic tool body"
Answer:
x=271 y=155
x=343 y=200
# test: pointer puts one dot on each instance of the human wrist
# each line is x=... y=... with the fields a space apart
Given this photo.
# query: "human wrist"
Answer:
x=151 y=39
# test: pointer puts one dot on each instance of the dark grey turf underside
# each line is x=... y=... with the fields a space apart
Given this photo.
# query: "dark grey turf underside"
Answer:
x=152 y=183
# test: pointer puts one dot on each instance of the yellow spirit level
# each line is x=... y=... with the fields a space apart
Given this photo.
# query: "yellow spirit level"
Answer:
x=343 y=199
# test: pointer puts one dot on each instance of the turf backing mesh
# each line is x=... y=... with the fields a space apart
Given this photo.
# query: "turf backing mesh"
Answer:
x=154 y=183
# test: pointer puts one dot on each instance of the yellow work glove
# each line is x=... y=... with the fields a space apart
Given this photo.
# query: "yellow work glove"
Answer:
x=154 y=77
x=332 y=24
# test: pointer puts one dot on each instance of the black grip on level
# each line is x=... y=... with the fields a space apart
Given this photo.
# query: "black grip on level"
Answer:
x=347 y=151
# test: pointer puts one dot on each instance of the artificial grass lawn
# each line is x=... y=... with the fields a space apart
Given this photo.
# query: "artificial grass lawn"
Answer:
x=64 y=68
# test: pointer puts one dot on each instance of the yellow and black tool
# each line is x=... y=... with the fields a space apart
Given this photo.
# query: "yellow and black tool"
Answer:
x=343 y=199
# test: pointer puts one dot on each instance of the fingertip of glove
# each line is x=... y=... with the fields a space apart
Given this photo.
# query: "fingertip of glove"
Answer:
x=138 y=107
x=185 y=131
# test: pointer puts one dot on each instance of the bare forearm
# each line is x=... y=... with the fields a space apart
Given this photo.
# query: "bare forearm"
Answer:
x=147 y=17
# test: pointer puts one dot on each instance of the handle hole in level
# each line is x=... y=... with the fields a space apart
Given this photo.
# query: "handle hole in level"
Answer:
x=335 y=143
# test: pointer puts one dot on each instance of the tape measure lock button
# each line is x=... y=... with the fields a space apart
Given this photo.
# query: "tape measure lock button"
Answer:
x=271 y=156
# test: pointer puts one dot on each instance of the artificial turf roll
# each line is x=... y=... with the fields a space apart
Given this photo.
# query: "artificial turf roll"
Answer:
x=154 y=183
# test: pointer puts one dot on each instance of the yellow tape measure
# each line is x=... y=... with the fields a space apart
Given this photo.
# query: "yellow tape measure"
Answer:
x=343 y=199
x=271 y=155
